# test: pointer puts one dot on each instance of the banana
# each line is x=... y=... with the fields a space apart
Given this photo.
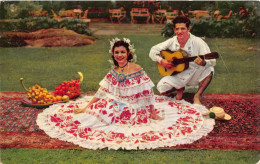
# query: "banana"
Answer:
x=21 y=81
x=80 y=77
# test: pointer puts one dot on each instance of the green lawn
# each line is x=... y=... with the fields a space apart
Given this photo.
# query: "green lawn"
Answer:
x=236 y=70
x=28 y=156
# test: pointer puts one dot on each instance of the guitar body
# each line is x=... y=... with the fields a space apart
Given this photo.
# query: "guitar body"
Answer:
x=168 y=55
x=180 y=61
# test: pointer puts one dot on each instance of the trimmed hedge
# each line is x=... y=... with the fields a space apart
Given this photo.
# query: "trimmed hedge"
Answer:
x=233 y=26
x=36 y=23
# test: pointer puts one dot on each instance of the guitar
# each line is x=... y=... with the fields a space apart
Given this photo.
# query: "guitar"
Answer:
x=180 y=61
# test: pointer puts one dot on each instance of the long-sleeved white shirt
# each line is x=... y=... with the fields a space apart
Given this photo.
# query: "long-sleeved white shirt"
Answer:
x=195 y=46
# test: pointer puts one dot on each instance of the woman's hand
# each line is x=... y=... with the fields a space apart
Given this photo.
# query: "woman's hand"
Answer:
x=80 y=110
x=153 y=114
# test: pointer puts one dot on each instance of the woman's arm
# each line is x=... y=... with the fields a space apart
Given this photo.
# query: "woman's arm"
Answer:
x=82 y=110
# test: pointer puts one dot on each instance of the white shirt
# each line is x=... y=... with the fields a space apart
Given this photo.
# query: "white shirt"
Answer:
x=194 y=74
x=194 y=46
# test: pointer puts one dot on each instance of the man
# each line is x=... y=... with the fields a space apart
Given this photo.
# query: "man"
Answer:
x=199 y=73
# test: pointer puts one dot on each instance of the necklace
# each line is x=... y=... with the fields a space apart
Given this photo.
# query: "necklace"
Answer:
x=122 y=76
x=122 y=68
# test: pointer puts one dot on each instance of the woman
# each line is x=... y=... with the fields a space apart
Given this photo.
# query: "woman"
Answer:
x=124 y=113
x=124 y=68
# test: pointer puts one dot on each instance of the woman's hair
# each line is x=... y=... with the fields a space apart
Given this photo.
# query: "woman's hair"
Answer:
x=124 y=44
x=181 y=19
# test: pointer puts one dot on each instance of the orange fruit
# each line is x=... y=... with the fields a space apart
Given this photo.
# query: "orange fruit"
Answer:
x=58 y=98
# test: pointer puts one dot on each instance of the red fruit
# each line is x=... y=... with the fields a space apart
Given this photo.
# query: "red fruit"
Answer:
x=70 y=88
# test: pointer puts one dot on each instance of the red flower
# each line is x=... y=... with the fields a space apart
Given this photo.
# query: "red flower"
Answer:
x=127 y=82
x=114 y=81
x=185 y=130
x=109 y=76
x=104 y=112
x=101 y=104
x=138 y=80
x=142 y=116
x=145 y=92
x=125 y=115
x=137 y=95
x=70 y=106
x=151 y=137
x=190 y=111
x=55 y=118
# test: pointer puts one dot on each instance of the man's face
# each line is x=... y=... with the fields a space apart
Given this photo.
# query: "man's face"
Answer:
x=181 y=30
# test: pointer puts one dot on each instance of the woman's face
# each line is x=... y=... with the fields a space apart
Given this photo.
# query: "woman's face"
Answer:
x=120 y=55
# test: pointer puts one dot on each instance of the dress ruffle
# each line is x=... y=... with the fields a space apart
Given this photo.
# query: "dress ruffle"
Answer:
x=106 y=126
x=121 y=117
x=135 y=90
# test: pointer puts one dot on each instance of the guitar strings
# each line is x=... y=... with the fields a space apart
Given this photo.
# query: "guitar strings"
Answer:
x=222 y=58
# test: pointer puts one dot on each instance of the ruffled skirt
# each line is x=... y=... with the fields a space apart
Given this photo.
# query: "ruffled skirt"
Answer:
x=114 y=125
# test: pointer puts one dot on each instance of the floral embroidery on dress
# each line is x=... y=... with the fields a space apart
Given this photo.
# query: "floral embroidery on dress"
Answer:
x=120 y=119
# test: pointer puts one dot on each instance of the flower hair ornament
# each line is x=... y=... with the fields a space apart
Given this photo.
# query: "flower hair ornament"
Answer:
x=131 y=48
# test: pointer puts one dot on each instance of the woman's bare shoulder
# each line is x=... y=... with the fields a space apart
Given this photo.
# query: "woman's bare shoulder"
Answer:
x=134 y=67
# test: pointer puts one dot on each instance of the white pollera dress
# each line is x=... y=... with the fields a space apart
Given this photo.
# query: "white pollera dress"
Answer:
x=120 y=119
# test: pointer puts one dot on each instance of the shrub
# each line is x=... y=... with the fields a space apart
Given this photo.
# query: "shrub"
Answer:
x=12 y=42
x=168 y=30
x=36 y=23
x=20 y=9
x=76 y=25
x=233 y=26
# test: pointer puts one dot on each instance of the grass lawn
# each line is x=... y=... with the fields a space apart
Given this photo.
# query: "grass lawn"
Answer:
x=236 y=70
x=28 y=156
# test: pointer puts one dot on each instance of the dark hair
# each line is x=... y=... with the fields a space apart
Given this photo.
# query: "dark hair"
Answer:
x=124 y=44
x=181 y=19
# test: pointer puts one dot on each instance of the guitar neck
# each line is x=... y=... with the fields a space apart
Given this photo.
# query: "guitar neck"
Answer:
x=212 y=55
x=189 y=59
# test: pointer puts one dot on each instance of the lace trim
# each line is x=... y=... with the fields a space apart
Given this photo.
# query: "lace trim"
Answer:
x=128 y=76
x=129 y=86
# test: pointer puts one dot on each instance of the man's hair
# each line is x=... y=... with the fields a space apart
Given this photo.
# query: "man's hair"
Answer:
x=181 y=19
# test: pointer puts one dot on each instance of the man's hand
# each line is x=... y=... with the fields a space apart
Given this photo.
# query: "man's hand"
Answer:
x=200 y=61
x=166 y=64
